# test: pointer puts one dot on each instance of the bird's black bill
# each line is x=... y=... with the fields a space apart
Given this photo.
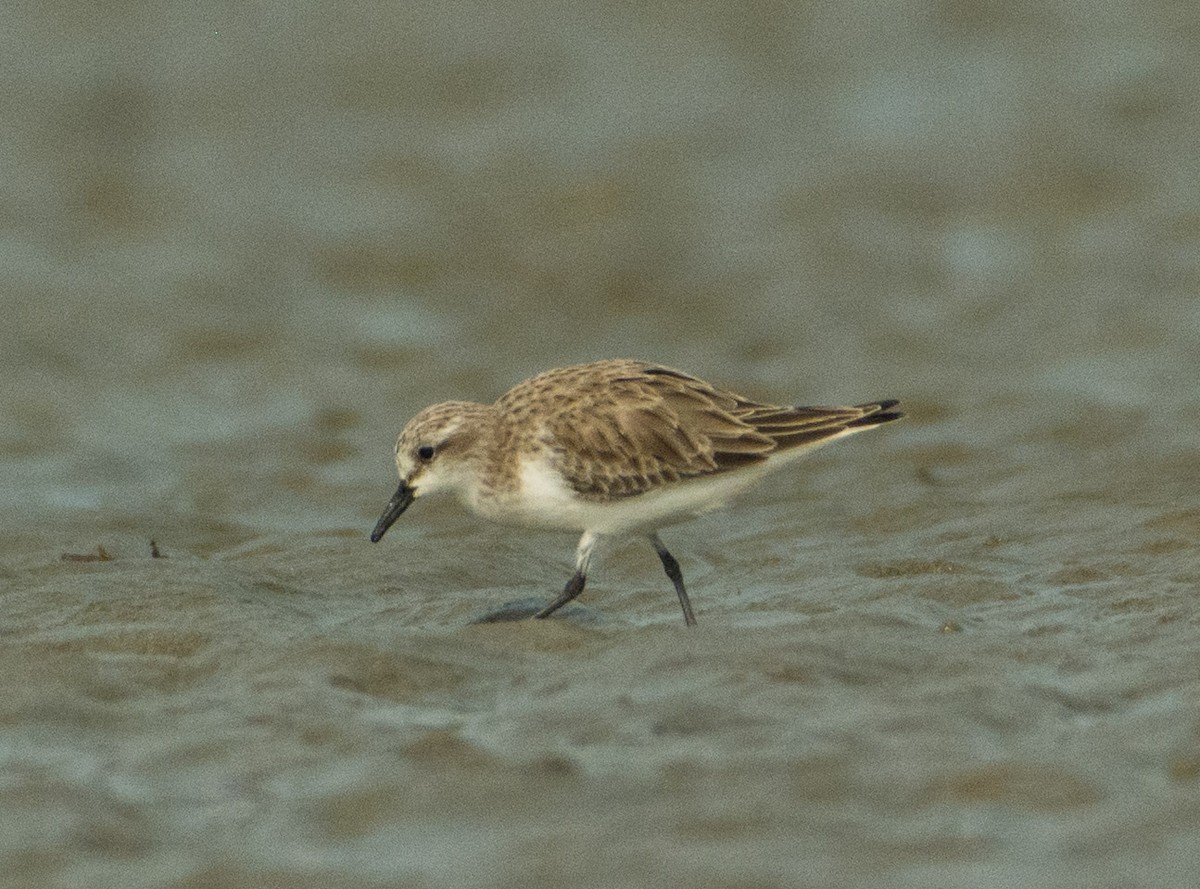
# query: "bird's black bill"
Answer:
x=400 y=500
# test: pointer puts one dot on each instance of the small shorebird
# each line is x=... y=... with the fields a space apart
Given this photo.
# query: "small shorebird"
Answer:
x=609 y=448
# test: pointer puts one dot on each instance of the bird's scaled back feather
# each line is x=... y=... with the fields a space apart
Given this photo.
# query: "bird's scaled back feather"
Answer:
x=631 y=427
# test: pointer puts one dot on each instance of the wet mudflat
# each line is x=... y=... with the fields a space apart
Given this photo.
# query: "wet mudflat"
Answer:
x=242 y=251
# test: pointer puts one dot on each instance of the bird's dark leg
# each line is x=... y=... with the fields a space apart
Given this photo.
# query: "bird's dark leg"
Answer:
x=573 y=588
x=583 y=555
x=672 y=568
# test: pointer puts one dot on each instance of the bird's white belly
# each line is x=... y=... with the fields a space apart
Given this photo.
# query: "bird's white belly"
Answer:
x=544 y=500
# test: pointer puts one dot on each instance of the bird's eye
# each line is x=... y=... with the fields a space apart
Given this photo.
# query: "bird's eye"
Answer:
x=425 y=452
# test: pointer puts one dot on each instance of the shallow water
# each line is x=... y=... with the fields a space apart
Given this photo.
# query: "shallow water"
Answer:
x=242 y=246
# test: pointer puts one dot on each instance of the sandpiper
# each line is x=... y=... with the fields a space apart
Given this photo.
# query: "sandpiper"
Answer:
x=615 y=447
